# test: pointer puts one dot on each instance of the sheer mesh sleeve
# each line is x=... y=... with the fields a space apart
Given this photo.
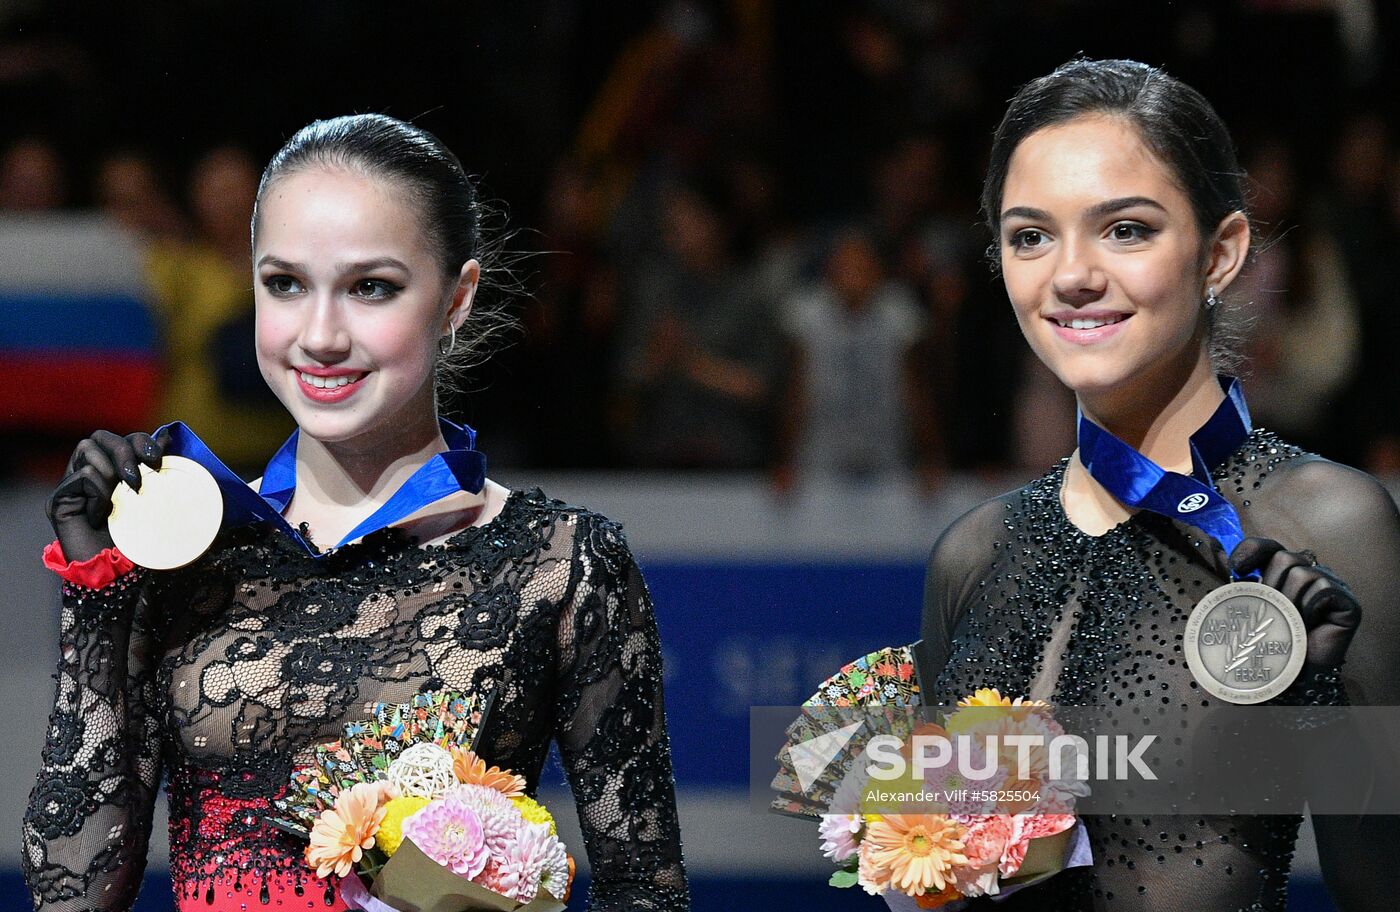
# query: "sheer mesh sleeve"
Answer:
x=89 y=816
x=1352 y=524
x=961 y=557
x=611 y=730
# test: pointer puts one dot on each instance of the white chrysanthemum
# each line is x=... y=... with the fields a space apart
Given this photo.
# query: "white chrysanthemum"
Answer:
x=500 y=818
x=534 y=861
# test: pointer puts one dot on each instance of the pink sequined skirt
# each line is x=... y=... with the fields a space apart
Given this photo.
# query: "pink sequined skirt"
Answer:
x=233 y=891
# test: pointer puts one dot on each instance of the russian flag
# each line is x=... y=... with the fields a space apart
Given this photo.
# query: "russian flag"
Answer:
x=79 y=347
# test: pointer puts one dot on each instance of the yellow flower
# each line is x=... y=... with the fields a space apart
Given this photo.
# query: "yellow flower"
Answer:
x=390 y=835
x=918 y=851
x=534 y=812
x=986 y=696
x=983 y=708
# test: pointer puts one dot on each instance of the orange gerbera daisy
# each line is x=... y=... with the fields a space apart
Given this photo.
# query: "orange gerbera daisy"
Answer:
x=343 y=832
x=918 y=850
x=939 y=899
x=472 y=770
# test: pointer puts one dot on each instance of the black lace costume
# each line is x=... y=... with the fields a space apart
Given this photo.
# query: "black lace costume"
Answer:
x=1019 y=599
x=240 y=662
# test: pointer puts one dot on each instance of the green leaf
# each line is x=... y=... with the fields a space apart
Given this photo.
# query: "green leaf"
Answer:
x=844 y=879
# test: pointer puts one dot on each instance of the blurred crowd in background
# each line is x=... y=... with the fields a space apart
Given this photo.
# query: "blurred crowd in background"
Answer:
x=751 y=230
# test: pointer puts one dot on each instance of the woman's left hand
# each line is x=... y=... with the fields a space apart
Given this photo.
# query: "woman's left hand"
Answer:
x=1330 y=612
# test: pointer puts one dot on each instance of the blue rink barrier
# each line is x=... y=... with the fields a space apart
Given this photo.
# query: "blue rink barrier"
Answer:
x=764 y=634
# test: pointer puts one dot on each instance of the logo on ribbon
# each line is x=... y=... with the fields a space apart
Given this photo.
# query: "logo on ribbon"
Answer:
x=1192 y=502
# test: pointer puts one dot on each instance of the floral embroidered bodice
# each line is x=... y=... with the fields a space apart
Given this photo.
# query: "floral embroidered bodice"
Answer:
x=225 y=673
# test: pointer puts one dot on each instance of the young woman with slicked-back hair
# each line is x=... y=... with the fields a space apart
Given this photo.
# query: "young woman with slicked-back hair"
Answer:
x=1117 y=207
x=224 y=674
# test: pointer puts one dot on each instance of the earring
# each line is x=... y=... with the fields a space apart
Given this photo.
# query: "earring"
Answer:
x=1212 y=300
x=451 y=344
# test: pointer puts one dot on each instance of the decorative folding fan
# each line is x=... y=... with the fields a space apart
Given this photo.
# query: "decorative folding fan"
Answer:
x=363 y=754
x=881 y=684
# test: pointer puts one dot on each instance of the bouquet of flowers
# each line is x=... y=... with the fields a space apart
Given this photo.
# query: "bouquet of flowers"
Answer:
x=413 y=821
x=993 y=834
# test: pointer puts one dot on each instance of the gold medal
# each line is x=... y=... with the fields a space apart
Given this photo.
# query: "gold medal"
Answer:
x=1245 y=643
x=172 y=520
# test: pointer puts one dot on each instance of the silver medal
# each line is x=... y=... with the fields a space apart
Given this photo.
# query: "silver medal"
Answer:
x=1245 y=643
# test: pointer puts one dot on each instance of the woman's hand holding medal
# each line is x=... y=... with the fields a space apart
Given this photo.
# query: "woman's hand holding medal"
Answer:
x=80 y=505
x=1330 y=611
x=160 y=511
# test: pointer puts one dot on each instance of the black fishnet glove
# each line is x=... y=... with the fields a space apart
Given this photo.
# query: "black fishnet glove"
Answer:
x=1330 y=611
x=79 y=506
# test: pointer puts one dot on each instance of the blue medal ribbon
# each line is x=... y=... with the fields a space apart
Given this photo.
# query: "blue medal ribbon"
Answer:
x=460 y=468
x=1192 y=499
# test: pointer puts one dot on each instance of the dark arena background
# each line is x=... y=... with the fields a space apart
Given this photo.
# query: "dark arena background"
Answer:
x=675 y=182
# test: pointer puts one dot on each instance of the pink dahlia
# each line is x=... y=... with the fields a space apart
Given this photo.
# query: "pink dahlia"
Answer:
x=839 y=832
x=500 y=818
x=450 y=833
x=533 y=861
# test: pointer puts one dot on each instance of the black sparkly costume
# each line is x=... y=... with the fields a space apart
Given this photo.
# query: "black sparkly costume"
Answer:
x=236 y=665
x=1019 y=599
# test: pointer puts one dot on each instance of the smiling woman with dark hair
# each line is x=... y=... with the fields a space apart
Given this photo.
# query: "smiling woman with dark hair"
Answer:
x=226 y=673
x=1118 y=210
